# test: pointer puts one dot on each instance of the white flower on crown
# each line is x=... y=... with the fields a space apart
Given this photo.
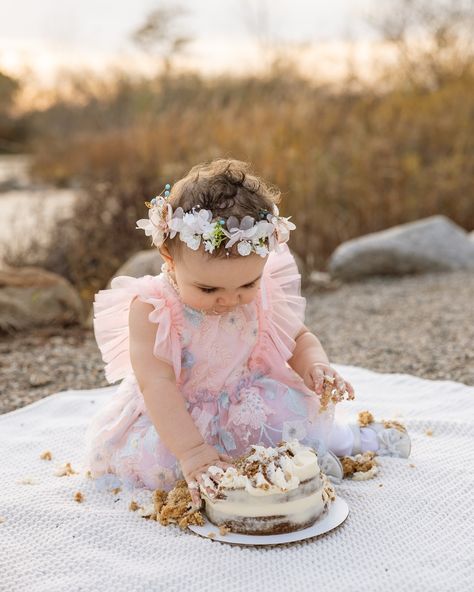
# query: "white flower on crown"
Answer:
x=157 y=223
x=282 y=225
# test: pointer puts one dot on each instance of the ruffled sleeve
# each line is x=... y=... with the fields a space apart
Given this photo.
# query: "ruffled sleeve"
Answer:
x=111 y=328
x=282 y=304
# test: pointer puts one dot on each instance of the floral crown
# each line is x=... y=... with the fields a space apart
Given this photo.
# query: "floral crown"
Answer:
x=259 y=237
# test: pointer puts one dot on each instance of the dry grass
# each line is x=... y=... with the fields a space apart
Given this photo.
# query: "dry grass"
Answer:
x=348 y=162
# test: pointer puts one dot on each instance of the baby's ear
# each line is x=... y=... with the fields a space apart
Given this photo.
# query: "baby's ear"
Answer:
x=164 y=252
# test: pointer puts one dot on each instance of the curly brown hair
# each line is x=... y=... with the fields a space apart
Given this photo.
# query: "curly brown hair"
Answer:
x=226 y=187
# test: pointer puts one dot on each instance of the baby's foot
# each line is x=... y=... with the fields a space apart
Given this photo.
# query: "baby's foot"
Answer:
x=385 y=438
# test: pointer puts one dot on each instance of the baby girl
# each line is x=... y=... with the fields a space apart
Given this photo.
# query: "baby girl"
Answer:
x=213 y=354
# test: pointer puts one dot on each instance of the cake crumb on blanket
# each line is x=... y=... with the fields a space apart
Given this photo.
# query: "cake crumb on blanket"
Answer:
x=78 y=497
x=172 y=507
x=28 y=481
x=360 y=467
x=46 y=455
x=65 y=470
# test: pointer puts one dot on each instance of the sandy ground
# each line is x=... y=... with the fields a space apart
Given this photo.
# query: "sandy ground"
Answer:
x=421 y=325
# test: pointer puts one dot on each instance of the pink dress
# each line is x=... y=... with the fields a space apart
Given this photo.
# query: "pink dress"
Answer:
x=231 y=369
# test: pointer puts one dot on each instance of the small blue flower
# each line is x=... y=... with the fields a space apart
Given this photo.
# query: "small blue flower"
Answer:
x=224 y=399
x=228 y=440
x=193 y=315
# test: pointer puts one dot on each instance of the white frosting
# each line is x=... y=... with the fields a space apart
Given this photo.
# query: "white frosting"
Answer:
x=284 y=472
x=228 y=509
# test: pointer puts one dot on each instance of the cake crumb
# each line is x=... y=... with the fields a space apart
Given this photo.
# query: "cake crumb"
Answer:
x=365 y=475
x=46 y=455
x=360 y=467
x=429 y=432
x=211 y=535
x=412 y=465
x=331 y=393
x=78 y=497
x=223 y=529
x=394 y=424
x=65 y=470
x=172 y=507
x=365 y=418
x=117 y=490
x=28 y=481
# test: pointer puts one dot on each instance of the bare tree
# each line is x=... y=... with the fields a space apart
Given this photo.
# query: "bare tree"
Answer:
x=433 y=38
x=277 y=53
x=158 y=36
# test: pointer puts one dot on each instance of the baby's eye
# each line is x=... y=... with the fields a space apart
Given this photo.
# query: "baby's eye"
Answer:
x=209 y=290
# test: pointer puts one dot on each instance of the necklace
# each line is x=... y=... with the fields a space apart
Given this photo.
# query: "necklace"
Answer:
x=166 y=271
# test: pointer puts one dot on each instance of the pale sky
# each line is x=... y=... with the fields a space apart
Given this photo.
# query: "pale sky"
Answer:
x=46 y=34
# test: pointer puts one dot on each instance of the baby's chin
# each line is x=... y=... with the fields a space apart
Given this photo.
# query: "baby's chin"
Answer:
x=211 y=310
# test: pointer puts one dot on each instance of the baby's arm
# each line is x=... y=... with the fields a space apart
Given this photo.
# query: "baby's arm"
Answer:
x=311 y=362
x=165 y=403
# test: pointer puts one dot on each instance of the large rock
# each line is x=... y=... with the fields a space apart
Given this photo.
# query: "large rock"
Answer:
x=431 y=244
x=146 y=262
x=32 y=297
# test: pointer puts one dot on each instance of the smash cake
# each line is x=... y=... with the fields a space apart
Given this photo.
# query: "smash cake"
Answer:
x=270 y=490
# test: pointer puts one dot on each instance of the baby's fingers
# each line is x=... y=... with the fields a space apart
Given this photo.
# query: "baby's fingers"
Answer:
x=350 y=390
x=193 y=487
x=318 y=379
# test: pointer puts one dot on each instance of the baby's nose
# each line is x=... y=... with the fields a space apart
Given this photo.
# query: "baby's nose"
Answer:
x=230 y=300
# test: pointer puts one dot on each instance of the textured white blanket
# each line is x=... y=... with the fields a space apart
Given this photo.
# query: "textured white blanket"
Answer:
x=411 y=528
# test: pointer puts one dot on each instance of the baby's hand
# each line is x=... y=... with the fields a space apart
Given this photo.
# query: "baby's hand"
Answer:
x=314 y=379
x=195 y=463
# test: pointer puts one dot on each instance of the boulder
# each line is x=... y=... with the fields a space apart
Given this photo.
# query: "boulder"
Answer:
x=33 y=297
x=146 y=262
x=429 y=245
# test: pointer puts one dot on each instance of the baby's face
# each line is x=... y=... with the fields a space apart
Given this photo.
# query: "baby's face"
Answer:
x=217 y=285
